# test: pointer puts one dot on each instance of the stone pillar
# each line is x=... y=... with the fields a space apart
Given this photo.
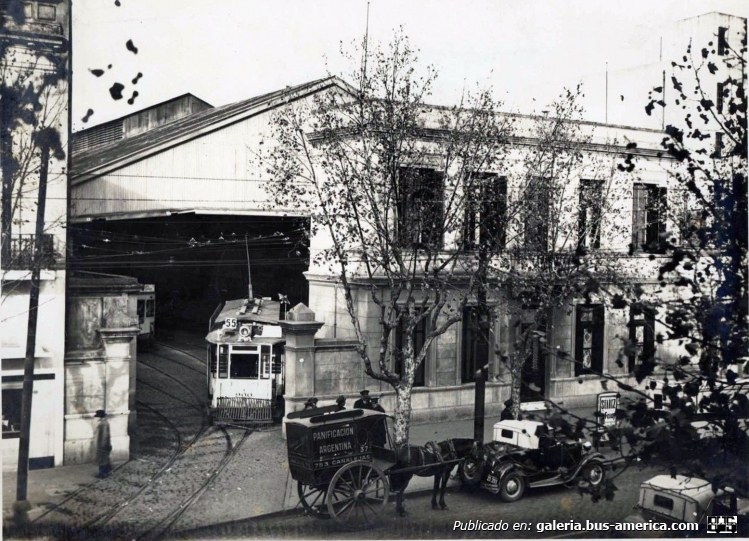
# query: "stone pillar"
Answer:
x=299 y=329
x=117 y=360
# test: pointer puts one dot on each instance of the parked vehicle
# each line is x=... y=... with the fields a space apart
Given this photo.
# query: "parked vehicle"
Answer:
x=527 y=454
x=146 y=310
x=682 y=499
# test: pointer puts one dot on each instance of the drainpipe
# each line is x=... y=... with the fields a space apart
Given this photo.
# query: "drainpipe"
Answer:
x=335 y=309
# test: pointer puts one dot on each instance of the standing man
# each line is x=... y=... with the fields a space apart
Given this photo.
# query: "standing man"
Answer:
x=103 y=445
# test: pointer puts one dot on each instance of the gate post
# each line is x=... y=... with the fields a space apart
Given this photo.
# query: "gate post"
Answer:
x=299 y=329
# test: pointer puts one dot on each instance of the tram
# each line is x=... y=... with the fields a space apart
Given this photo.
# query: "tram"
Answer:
x=146 y=310
x=245 y=361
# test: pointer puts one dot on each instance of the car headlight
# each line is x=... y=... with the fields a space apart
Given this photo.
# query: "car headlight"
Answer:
x=587 y=446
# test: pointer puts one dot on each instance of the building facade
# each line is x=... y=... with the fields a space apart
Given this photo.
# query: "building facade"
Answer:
x=204 y=167
x=35 y=42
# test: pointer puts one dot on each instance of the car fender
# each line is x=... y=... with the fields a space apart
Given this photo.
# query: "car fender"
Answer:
x=588 y=459
x=507 y=467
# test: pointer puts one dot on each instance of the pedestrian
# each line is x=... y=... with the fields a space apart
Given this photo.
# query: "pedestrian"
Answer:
x=506 y=414
x=103 y=444
x=311 y=403
x=365 y=402
x=376 y=404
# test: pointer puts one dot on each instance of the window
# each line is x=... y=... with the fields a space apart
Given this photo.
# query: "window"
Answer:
x=419 y=337
x=649 y=218
x=150 y=308
x=589 y=218
x=223 y=361
x=420 y=209
x=46 y=12
x=722 y=41
x=641 y=335
x=244 y=364
x=486 y=212
x=589 y=323
x=213 y=358
x=718 y=145
x=475 y=342
x=141 y=310
x=719 y=95
x=11 y=413
x=536 y=215
x=662 y=501
x=28 y=11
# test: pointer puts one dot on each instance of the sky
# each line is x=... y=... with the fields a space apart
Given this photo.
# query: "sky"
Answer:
x=225 y=51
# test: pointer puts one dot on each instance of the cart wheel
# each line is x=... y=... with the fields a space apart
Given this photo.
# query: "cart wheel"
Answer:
x=313 y=499
x=594 y=473
x=511 y=487
x=357 y=494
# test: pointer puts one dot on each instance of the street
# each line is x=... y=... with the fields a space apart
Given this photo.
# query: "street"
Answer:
x=189 y=479
x=522 y=518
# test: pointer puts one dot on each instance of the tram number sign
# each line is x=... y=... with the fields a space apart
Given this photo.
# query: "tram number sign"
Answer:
x=230 y=323
x=607 y=404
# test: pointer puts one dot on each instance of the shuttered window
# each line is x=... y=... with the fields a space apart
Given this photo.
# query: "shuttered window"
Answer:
x=475 y=346
x=641 y=335
x=589 y=217
x=589 y=322
x=649 y=218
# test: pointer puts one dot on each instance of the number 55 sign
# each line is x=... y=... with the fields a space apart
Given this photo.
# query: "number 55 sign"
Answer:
x=230 y=323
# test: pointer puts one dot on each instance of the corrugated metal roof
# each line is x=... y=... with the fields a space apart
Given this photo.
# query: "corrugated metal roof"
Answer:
x=86 y=164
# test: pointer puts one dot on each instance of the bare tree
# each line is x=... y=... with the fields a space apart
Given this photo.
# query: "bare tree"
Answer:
x=387 y=180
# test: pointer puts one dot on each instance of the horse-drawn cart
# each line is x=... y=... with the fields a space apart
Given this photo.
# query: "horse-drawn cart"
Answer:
x=344 y=463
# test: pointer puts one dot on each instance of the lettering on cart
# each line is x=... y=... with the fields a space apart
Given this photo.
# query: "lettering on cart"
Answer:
x=340 y=461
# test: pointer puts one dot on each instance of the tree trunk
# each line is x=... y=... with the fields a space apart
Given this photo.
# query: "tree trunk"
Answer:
x=28 y=366
x=402 y=417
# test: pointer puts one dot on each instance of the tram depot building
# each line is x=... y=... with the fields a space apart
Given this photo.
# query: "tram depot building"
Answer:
x=194 y=172
x=183 y=174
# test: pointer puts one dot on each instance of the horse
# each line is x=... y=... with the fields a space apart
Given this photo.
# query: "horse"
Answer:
x=438 y=461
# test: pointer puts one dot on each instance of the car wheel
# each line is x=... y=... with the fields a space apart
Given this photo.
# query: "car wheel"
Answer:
x=594 y=473
x=511 y=487
x=470 y=473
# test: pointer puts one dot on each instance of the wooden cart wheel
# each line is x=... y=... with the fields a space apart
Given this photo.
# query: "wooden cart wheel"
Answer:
x=313 y=499
x=357 y=493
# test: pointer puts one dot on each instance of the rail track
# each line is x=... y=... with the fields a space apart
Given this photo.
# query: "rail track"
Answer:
x=182 y=456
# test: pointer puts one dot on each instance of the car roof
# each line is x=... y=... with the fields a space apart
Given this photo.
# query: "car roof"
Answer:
x=692 y=488
x=513 y=424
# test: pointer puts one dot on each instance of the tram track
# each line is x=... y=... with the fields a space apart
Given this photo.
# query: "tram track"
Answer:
x=201 y=401
x=185 y=352
x=158 y=531
x=179 y=363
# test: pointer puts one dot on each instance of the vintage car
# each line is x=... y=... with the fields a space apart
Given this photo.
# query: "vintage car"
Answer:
x=682 y=499
x=527 y=454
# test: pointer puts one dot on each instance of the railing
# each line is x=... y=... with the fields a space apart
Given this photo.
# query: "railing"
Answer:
x=244 y=409
x=19 y=252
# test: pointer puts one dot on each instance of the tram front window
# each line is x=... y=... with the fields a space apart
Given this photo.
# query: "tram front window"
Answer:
x=244 y=365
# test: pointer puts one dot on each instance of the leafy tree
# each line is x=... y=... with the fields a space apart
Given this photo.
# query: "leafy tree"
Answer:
x=386 y=179
x=701 y=303
x=563 y=234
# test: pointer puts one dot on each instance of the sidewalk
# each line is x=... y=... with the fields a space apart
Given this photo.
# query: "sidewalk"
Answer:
x=265 y=488
x=47 y=487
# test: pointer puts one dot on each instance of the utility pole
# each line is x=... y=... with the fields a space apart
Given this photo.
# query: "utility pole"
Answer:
x=21 y=507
